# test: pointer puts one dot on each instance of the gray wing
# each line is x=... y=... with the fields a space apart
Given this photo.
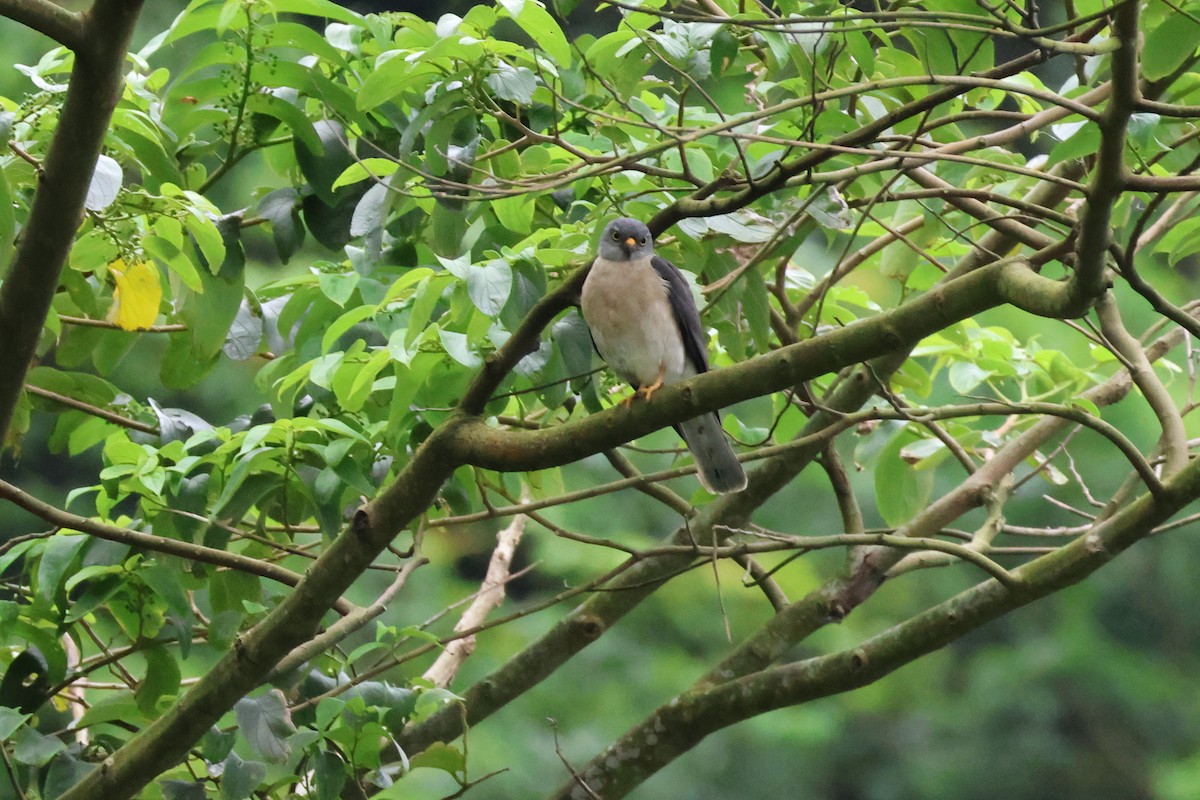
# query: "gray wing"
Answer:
x=686 y=314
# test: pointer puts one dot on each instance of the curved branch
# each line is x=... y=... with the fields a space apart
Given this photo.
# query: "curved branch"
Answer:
x=148 y=541
x=476 y=443
x=43 y=16
x=1173 y=441
x=686 y=720
x=591 y=619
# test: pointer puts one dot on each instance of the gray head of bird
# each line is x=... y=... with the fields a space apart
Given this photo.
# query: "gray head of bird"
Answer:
x=625 y=239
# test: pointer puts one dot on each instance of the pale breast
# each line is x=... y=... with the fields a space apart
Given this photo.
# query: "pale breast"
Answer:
x=627 y=307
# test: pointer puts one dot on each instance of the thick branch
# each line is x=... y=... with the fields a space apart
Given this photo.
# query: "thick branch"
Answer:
x=591 y=619
x=839 y=595
x=29 y=287
x=598 y=613
x=478 y=444
x=167 y=740
x=43 y=16
x=685 y=721
x=1109 y=180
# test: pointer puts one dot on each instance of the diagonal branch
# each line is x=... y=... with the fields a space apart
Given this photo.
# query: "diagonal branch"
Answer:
x=591 y=619
x=684 y=721
x=148 y=541
x=43 y=16
x=840 y=595
x=490 y=596
x=95 y=87
x=479 y=444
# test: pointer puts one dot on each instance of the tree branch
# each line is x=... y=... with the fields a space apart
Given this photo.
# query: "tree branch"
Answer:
x=1173 y=441
x=28 y=289
x=686 y=720
x=95 y=411
x=840 y=595
x=167 y=740
x=158 y=544
x=479 y=444
x=592 y=618
x=353 y=621
x=43 y=16
x=1109 y=180
x=490 y=596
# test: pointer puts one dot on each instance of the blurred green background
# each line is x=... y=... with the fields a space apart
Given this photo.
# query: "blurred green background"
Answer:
x=1093 y=693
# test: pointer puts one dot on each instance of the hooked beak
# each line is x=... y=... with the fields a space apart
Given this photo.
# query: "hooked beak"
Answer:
x=631 y=242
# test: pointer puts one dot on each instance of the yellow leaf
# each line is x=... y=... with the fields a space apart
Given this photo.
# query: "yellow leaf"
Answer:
x=137 y=296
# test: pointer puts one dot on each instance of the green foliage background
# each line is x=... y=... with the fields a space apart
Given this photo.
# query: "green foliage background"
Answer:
x=337 y=300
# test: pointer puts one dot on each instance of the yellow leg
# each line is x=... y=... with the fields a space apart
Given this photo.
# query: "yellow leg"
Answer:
x=648 y=391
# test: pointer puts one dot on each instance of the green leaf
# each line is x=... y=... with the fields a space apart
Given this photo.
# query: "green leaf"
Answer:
x=210 y=314
x=65 y=771
x=339 y=286
x=8 y=217
x=161 y=681
x=343 y=324
x=1181 y=241
x=182 y=790
x=208 y=239
x=392 y=77
x=315 y=8
x=404 y=286
x=489 y=285
x=35 y=749
x=266 y=723
x=355 y=382
x=458 y=347
x=1081 y=139
x=329 y=771
x=756 y=309
x=367 y=168
x=965 y=376
x=240 y=778
x=59 y=552
x=1084 y=404
x=330 y=224
x=901 y=491
x=541 y=27
x=1169 y=45
x=300 y=125
x=105 y=184
x=371 y=211
x=323 y=167
x=120 y=706
x=441 y=756
x=282 y=208
x=512 y=83
x=245 y=333
x=515 y=213
x=10 y=721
